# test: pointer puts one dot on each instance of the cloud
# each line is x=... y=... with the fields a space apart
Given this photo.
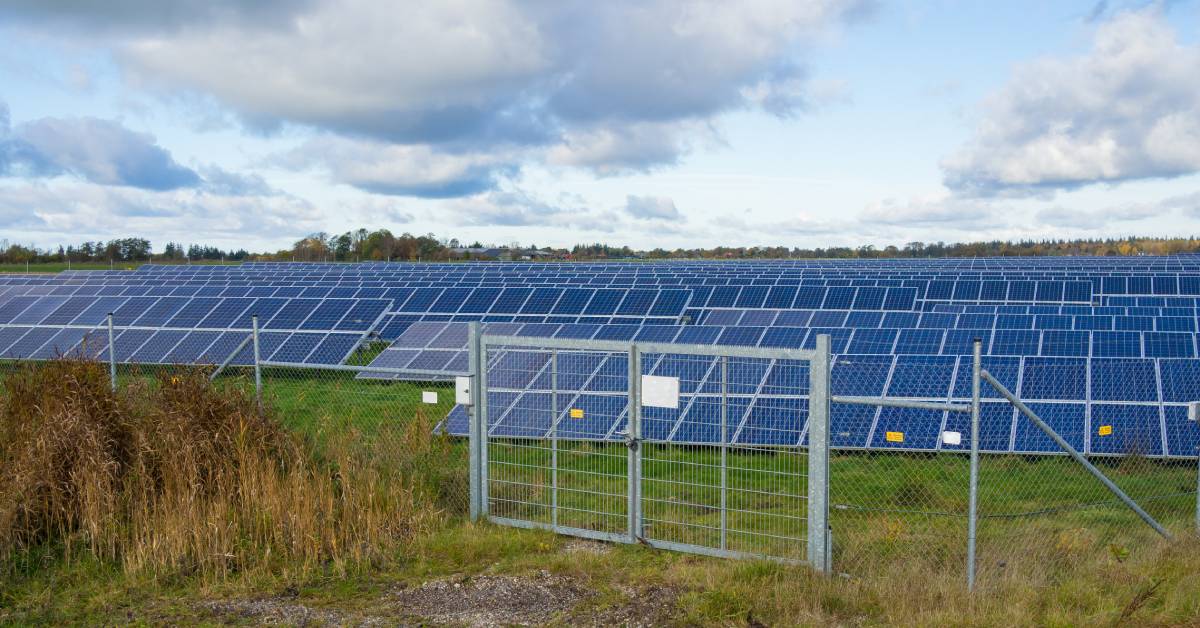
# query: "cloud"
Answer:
x=100 y=151
x=1092 y=220
x=652 y=207
x=511 y=208
x=1127 y=109
x=400 y=170
x=480 y=86
x=938 y=210
x=65 y=206
x=222 y=182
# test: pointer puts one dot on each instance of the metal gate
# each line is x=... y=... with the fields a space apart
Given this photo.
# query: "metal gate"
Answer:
x=715 y=450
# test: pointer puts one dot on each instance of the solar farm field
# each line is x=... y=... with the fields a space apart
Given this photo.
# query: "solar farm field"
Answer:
x=1104 y=348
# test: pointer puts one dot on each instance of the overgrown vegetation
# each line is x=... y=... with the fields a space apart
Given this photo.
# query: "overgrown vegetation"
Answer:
x=173 y=476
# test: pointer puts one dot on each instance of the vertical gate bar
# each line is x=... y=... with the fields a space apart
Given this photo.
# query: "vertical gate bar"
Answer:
x=724 y=448
x=818 y=457
x=257 y=359
x=554 y=437
x=973 y=496
x=635 y=455
x=473 y=468
x=482 y=399
x=112 y=354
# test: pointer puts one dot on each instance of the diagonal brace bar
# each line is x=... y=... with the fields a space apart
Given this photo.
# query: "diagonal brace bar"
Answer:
x=1116 y=490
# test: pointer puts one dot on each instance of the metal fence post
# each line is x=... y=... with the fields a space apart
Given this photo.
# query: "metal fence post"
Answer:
x=973 y=497
x=554 y=437
x=819 y=542
x=257 y=359
x=112 y=354
x=481 y=423
x=724 y=450
x=473 y=445
x=635 y=454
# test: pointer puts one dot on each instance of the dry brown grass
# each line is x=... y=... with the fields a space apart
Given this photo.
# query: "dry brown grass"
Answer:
x=175 y=476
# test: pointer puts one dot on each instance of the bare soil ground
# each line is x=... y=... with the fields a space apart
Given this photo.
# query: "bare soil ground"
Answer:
x=482 y=601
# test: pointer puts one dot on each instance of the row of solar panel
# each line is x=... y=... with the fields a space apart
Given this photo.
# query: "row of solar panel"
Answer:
x=174 y=346
x=943 y=320
x=421 y=338
x=1182 y=309
x=351 y=315
x=751 y=294
x=1109 y=429
x=765 y=406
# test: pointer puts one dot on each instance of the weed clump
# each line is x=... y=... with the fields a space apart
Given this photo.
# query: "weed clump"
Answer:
x=174 y=475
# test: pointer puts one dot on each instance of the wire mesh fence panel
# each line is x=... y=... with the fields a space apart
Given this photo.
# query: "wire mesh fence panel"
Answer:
x=724 y=469
x=388 y=425
x=555 y=452
x=898 y=475
x=1042 y=514
x=699 y=450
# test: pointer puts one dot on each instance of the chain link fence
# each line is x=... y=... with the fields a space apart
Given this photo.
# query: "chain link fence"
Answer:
x=900 y=474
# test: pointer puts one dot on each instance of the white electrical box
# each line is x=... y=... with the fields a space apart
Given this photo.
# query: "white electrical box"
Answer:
x=660 y=392
x=462 y=390
x=1194 y=411
x=429 y=396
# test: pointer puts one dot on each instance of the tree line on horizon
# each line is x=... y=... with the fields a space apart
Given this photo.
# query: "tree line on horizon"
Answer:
x=383 y=245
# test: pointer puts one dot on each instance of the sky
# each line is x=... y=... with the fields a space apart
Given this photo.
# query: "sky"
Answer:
x=650 y=124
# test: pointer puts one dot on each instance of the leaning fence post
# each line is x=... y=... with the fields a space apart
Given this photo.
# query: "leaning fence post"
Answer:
x=112 y=354
x=818 y=458
x=257 y=366
x=473 y=413
x=973 y=497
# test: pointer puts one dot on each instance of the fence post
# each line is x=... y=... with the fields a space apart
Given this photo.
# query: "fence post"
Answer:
x=635 y=455
x=112 y=354
x=257 y=366
x=724 y=450
x=554 y=437
x=819 y=543
x=973 y=497
x=474 y=445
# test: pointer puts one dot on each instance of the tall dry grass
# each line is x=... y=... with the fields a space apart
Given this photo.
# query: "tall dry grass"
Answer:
x=173 y=476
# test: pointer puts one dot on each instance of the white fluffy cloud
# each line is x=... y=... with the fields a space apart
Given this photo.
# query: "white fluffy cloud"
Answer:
x=652 y=208
x=1127 y=109
x=78 y=207
x=474 y=87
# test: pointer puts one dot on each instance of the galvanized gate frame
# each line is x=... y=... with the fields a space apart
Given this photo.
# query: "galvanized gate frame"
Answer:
x=817 y=538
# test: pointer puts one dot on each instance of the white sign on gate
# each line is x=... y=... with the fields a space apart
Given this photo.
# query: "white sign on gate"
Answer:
x=660 y=392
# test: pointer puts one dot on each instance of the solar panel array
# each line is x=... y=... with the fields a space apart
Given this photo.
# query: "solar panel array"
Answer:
x=1090 y=343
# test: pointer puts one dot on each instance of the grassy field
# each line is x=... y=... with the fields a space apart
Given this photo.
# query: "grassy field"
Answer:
x=1053 y=547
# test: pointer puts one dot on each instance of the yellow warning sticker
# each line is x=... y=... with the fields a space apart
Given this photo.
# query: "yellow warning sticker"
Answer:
x=576 y=413
x=895 y=437
x=1105 y=430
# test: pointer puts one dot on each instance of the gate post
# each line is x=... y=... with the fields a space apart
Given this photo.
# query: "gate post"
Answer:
x=818 y=458
x=634 y=442
x=474 y=412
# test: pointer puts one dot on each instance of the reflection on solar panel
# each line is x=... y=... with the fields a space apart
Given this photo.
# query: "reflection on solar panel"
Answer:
x=1088 y=342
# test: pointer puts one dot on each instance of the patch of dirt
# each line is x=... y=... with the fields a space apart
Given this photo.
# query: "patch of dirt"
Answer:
x=492 y=600
x=650 y=606
x=283 y=611
x=478 y=601
x=582 y=546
